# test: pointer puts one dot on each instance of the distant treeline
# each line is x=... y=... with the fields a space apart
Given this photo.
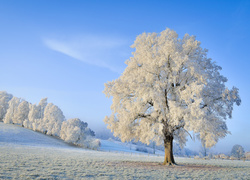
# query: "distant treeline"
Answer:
x=46 y=118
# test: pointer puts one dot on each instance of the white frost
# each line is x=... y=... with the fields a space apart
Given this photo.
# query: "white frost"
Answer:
x=170 y=87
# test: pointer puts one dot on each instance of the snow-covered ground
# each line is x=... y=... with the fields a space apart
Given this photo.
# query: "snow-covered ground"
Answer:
x=25 y=154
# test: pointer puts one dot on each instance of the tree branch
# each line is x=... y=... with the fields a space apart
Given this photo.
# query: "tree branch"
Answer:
x=142 y=116
x=188 y=133
x=166 y=99
x=150 y=103
x=178 y=127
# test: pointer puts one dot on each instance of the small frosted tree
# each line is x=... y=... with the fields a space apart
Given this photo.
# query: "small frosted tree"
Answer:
x=38 y=120
x=12 y=110
x=169 y=88
x=77 y=132
x=238 y=151
x=35 y=116
x=203 y=149
x=72 y=131
x=52 y=120
x=4 y=103
x=22 y=113
x=41 y=107
x=32 y=116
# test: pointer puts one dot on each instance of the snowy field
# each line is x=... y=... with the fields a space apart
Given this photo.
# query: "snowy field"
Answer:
x=25 y=154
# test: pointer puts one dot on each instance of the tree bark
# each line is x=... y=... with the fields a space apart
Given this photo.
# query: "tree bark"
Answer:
x=168 y=144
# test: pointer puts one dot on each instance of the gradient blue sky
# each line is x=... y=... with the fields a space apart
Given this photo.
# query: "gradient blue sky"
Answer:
x=67 y=50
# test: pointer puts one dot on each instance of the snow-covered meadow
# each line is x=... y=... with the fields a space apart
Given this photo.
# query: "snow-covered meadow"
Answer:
x=25 y=154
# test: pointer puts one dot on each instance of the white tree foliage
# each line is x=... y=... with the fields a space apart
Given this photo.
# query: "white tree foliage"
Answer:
x=31 y=123
x=22 y=113
x=77 y=132
x=170 y=86
x=12 y=110
x=4 y=103
x=35 y=116
x=71 y=131
x=52 y=120
x=46 y=118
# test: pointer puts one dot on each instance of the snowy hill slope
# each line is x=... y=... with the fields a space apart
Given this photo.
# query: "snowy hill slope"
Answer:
x=13 y=135
x=16 y=135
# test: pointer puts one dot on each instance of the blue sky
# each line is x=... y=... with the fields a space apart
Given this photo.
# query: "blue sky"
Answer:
x=67 y=50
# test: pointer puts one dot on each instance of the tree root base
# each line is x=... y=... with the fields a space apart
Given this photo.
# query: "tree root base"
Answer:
x=169 y=164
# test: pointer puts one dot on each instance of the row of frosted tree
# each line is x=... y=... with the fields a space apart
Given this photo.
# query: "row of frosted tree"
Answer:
x=46 y=118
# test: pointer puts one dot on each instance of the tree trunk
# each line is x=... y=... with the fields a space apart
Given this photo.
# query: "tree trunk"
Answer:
x=169 y=157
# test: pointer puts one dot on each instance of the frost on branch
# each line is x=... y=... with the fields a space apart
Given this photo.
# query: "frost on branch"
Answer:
x=169 y=88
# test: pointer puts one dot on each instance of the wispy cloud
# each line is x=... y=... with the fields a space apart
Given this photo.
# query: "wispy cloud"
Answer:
x=94 y=50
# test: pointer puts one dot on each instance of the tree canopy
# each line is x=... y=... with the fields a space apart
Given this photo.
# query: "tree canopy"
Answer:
x=168 y=89
x=237 y=151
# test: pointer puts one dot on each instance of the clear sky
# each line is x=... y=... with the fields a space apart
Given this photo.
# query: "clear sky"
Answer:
x=66 y=50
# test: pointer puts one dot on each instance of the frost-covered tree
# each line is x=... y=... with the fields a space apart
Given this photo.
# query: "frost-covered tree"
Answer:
x=22 y=113
x=52 y=120
x=41 y=107
x=72 y=131
x=12 y=110
x=170 y=87
x=32 y=116
x=4 y=103
x=238 y=151
x=77 y=132
x=204 y=151
x=35 y=116
x=46 y=118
